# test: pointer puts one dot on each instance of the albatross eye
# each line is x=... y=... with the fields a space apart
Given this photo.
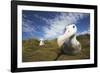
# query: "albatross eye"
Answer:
x=73 y=26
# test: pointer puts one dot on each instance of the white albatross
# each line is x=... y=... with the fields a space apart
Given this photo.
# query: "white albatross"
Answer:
x=41 y=42
x=68 y=40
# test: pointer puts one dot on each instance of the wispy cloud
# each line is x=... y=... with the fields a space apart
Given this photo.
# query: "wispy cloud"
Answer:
x=29 y=28
x=51 y=28
x=57 y=25
x=26 y=26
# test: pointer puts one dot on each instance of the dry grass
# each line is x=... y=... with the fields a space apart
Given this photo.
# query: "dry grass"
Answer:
x=31 y=50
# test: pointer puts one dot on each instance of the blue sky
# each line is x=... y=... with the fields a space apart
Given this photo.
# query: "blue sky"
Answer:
x=49 y=25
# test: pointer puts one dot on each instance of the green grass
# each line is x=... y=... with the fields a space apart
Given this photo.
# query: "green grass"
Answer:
x=32 y=52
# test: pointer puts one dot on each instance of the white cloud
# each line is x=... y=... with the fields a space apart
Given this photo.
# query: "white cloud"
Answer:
x=57 y=25
x=27 y=26
x=84 y=32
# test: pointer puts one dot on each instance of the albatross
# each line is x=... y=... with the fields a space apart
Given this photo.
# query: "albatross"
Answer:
x=68 y=41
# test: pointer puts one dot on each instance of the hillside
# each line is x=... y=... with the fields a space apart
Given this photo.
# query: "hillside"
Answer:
x=31 y=50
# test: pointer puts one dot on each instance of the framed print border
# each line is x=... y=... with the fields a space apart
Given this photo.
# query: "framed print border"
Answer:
x=14 y=35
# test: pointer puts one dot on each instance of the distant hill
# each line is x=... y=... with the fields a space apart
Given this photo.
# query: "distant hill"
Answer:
x=31 y=51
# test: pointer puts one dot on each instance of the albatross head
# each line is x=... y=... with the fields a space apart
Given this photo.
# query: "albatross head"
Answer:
x=70 y=30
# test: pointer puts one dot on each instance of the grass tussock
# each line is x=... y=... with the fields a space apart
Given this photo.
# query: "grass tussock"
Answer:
x=31 y=51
